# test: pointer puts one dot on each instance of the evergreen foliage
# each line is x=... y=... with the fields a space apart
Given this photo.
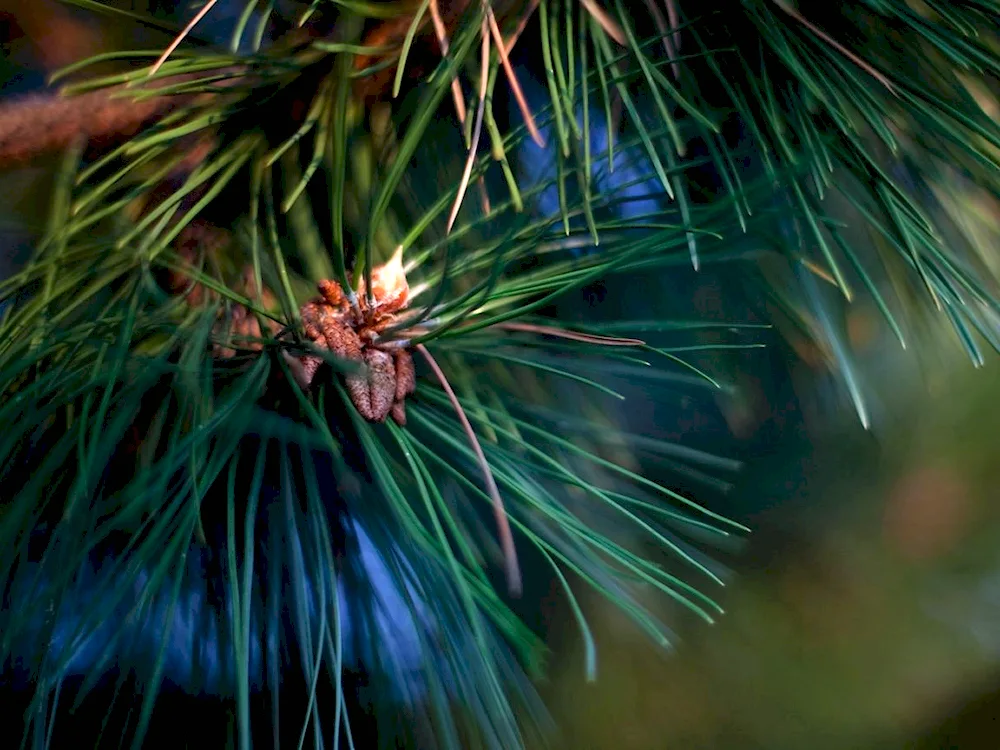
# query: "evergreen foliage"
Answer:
x=167 y=472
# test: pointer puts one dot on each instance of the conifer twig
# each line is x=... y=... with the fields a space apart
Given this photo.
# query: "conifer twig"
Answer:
x=40 y=124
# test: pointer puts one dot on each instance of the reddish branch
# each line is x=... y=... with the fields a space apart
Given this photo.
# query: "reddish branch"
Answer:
x=40 y=124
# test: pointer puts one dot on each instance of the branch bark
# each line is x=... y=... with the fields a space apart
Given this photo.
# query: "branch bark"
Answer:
x=40 y=124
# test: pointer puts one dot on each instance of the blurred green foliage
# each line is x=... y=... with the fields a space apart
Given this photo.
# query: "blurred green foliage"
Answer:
x=866 y=612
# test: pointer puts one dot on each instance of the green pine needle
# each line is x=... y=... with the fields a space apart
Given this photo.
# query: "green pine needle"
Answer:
x=858 y=119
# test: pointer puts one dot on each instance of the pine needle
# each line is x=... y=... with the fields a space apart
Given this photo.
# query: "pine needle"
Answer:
x=522 y=103
x=610 y=26
x=477 y=128
x=585 y=338
x=442 y=37
x=865 y=66
x=180 y=37
x=503 y=525
x=876 y=132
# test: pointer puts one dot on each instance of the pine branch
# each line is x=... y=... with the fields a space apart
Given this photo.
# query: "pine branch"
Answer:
x=281 y=174
x=35 y=126
x=38 y=125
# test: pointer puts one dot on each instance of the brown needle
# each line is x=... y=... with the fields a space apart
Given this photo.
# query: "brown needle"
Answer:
x=503 y=525
x=180 y=37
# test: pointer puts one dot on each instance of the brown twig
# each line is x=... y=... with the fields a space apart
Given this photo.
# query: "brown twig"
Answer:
x=40 y=124
x=36 y=125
